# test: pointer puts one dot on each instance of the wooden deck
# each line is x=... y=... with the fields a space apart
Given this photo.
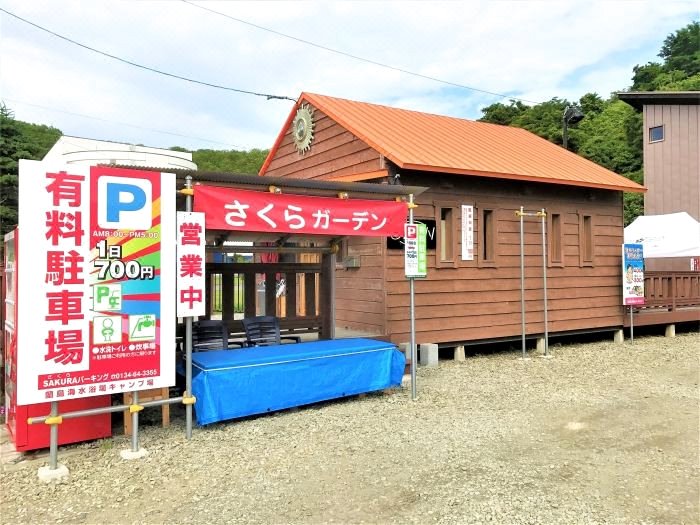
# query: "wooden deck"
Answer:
x=670 y=297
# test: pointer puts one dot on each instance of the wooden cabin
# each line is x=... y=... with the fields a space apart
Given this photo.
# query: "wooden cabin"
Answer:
x=478 y=176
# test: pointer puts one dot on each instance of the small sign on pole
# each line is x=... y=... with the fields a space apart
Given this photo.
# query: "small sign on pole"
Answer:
x=415 y=260
x=632 y=274
x=632 y=279
x=191 y=289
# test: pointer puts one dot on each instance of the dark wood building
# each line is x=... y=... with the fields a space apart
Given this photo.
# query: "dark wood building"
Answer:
x=479 y=175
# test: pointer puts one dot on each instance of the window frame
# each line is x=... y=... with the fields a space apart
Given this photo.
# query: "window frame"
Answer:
x=481 y=212
x=450 y=260
x=559 y=262
x=586 y=239
x=663 y=134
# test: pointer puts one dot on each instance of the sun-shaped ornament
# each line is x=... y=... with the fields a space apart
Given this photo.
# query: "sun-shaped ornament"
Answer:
x=303 y=128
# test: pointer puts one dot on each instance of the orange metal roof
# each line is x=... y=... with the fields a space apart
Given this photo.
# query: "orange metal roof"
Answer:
x=427 y=142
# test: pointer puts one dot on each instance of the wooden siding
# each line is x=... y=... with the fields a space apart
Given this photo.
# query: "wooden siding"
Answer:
x=672 y=165
x=360 y=292
x=334 y=152
x=469 y=302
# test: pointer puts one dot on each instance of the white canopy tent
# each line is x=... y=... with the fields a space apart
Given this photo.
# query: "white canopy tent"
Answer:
x=669 y=235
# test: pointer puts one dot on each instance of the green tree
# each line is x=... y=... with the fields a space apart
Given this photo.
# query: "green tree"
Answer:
x=18 y=140
x=545 y=120
x=681 y=54
x=604 y=139
x=12 y=148
x=231 y=161
x=681 y=50
x=503 y=114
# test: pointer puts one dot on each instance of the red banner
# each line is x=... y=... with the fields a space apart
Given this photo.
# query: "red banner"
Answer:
x=245 y=210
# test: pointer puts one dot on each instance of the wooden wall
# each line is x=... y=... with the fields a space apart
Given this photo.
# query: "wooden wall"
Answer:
x=334 y=151
x=360 y=292
x=672 y=166
x=467 y=301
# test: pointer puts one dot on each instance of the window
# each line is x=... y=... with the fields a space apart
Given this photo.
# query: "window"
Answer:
x=487 y=236
x=445 y=222
x=656 y=134
x=586 y=239
x=556 y=240
x=446 y=230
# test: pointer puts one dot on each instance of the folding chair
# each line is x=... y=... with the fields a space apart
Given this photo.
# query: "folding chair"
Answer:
x=264 y=330
x=209 y=335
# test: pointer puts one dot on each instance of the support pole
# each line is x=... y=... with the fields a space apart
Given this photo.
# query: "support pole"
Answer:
x=411 y=284
x=188 y=338
x=631 y=324
x=135 y=423
x=53 y=438
x=543 y=215
x=522 y=279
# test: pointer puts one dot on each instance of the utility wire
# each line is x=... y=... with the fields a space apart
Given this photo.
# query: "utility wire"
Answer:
x=147 y=68
x=355 y=57
x=122 y=123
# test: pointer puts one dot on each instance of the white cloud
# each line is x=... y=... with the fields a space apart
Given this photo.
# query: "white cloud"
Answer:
x=535 y=50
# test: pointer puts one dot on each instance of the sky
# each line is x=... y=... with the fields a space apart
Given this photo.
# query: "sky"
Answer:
x=531 y=50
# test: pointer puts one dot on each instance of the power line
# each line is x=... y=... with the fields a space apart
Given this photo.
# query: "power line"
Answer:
x=122 y=123
x=356 y=57
x=147 y=68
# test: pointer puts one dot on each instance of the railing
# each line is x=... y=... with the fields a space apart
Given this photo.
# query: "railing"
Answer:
x=671 y=290
x=296 y=293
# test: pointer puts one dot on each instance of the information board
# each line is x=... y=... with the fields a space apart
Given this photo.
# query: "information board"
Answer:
x=97 y=252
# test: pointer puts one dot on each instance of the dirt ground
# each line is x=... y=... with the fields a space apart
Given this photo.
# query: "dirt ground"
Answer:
x=601 y=433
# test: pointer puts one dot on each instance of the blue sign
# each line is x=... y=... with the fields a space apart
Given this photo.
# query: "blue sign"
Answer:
x=632 y=274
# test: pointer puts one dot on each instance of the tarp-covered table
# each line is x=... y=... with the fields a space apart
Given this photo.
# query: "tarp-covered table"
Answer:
x=234 y=383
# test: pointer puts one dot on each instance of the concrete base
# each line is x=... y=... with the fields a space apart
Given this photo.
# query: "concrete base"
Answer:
x=428 y=354
x=523 y=359
x=671 y=330
x=540 y=344
x=619 y=336
x=129 y=454
x=548 y=356
x=47 y=475
x=459 y=354
x=406 y=349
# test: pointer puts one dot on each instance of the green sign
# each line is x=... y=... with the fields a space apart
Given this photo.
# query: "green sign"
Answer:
x=415 y=254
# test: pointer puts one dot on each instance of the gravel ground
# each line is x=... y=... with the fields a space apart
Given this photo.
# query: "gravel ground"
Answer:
x=602 y=433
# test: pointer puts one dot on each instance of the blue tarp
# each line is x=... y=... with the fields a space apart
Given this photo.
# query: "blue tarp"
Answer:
x=235 y=383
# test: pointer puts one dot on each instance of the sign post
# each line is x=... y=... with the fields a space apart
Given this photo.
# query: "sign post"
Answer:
x=415 y=266
x=632 y=279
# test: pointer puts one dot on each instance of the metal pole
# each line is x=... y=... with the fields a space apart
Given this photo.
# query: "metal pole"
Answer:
x=188 y=338
x=135 y=423
x=631 y=324
x=565 y=134
x=411 y=284
x=543 y=214
x=53 y=438
x=105 y=410
x=522 y=280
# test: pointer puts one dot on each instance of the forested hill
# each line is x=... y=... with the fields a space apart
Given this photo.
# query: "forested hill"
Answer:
x=610 y=134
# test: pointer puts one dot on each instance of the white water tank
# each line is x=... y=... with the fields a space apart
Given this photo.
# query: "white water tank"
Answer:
x=77 y=150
